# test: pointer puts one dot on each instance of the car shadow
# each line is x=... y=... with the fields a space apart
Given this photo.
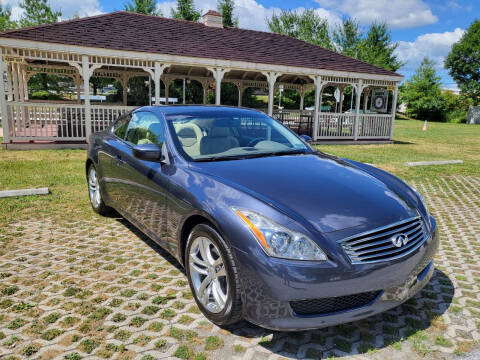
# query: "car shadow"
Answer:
x=365 y=336
x=157 y=248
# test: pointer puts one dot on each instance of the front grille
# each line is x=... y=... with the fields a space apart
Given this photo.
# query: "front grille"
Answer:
x=377 y=245
x=333 y=304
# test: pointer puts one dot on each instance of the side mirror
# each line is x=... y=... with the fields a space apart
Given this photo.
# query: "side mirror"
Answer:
x=148 y=152
x=306 y=138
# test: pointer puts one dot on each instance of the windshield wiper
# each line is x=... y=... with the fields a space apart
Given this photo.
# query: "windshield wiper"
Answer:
x=279 y=153
x=251 y=156
x=221 y=158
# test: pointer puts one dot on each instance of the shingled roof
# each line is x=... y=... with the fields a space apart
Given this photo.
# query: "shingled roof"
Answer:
x=152 y=34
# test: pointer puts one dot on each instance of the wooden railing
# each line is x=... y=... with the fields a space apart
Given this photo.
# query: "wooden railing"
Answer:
x=374 y=126
x=342 y=126
x=300 y=121
x=336 y=126
x=57 y=122
x=67 y=122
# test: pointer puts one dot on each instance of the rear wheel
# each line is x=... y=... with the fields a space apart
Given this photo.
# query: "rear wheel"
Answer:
x=213 y=276
x=94 y=193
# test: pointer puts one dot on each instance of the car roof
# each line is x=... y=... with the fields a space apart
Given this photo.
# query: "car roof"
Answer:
x=195 y=109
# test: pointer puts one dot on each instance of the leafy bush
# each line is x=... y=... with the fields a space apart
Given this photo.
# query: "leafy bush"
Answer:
x=456 y=116
x=44 y=95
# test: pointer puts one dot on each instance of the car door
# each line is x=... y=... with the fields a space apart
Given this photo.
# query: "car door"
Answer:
x=144 y=183
x=109 y=158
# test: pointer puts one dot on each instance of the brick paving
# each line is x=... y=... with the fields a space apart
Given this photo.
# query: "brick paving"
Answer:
x=99 y=289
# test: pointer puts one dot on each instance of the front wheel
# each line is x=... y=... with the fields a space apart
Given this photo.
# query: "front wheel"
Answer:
x=94 y=193
x=213 y=276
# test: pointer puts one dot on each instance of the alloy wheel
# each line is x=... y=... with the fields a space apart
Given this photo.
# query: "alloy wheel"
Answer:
x=94 y=188
x=208 y=274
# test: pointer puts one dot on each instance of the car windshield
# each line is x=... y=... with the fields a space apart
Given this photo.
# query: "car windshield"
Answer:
x=227 y=135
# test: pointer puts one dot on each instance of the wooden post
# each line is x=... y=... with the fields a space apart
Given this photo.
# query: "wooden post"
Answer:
x=86 y=91
x=359 y=89
x=166 y=81
x=218 y=86
x=204 y=87
x=3 y=103
x=204 y=84
x=365 y=99
x=318 y=89
x=240 y=92
x=124 y=82
x=158 y=71
x=340 y=106
x=271 y=79
x=15 y=82
x=394 y=109
x=25 y=83
x=218 y=74
x=302 y=91
x=9 y=82
x=21 y=89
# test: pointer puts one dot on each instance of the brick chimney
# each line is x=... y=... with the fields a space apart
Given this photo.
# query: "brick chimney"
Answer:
x=213 y=19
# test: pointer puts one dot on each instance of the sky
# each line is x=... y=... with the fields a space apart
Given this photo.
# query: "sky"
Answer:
x=421 y=27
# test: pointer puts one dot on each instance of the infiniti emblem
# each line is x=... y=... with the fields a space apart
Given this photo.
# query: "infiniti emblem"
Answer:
x=399 y=240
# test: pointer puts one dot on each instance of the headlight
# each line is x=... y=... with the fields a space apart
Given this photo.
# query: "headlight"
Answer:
x=424 y=203
x=278 y=241
x=422 y=200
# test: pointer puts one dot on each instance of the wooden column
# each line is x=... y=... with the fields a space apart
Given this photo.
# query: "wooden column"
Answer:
x=318 y=89
x=16 y=93
x=240 y=92
x=9 y=81
x=394 y=109
x=86 y=71
x=124 y=82
x=271 y=79
x=21 y=90
x=340 y=105
x=204 y=88
x=365 y=99
x=158 y=71
x=86 y=91
x=302 y=91
x=3 y=102
x=218 y=74
x=25 y=83
x=166 y=80
x=358 y=90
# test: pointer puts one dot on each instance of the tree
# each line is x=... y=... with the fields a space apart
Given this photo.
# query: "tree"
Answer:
x=456 y=106
x=348 y=37
x=142 y=7
x=226 y=9
x=186 y=10
x=38 y=12
x=463 y=62
x=6 y=23
x=422 y=93
x=377 y=48
x=306 y=26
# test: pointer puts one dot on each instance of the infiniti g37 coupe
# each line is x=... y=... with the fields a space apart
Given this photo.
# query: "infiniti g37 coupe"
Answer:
x=268 y=229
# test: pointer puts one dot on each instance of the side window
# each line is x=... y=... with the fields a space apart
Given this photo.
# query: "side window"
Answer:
x=119 y=128
x=145 y=128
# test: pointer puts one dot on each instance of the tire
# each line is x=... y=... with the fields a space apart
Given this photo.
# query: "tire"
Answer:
x=231 y=312
x=94 y=193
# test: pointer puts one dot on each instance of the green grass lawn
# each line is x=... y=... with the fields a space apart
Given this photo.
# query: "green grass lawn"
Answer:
x=442 y=141
x=63 y=170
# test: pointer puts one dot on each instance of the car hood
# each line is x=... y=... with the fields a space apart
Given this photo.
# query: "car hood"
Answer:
x=328 y=193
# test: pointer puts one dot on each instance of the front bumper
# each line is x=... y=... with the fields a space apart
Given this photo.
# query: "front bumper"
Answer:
x=271 y=284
